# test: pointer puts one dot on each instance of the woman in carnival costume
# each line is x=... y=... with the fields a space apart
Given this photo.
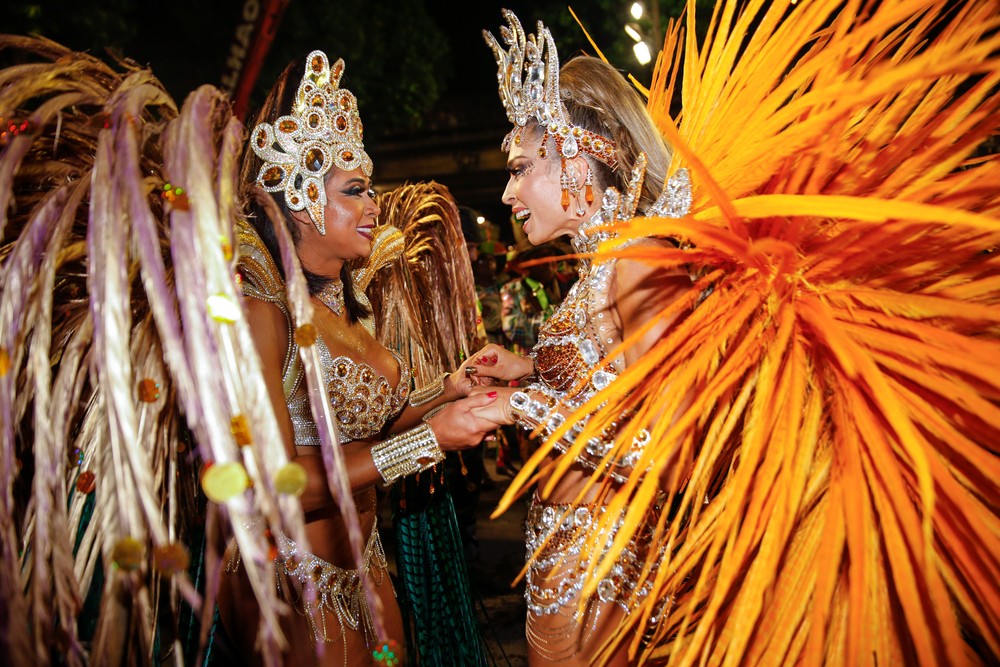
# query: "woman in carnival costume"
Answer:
x=132 y=373
x=577 y=156
x=796 y=463
x=307 y=149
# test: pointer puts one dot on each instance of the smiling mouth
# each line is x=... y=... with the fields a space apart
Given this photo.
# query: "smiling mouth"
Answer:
x=366 y=231
x=522 y=215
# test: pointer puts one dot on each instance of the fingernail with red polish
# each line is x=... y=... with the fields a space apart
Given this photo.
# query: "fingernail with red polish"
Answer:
x=492 y=394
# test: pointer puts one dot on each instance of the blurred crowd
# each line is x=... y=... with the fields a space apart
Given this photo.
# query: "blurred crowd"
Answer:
x=517 y=287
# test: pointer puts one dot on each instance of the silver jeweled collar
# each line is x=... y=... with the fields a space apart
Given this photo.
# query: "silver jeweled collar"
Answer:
x=332 y=295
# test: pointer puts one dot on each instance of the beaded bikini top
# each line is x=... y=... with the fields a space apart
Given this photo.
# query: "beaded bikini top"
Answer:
x=362 y=399
x=571 y=356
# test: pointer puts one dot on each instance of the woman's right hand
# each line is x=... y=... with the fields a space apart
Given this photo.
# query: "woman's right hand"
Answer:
x=500 y=363
x=499 y=411
x=459 y=426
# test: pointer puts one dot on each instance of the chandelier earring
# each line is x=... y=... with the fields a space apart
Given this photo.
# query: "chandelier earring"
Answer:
x=589 y=187
x=580 y=196
x=572 y=190
x=564 y=186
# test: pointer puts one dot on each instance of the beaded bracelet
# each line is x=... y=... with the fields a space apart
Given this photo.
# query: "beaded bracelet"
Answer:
x=407 y=453
x=428 y=393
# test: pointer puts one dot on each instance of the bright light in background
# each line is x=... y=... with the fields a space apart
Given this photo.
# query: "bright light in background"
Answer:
x=636 y=10
x=480 y=220
x=642 y=53
x=633 y=33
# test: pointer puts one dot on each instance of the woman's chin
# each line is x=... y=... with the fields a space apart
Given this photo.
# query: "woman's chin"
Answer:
x=534 y=235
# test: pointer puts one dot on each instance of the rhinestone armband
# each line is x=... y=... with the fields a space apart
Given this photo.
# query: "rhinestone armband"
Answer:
x=427 y=394
x=530 y=413
x=407 y=453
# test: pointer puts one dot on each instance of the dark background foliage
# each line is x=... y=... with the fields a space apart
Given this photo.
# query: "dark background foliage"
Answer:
x=403 y=56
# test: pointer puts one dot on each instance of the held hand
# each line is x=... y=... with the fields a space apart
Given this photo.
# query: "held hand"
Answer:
x=461 y=382
x=457 y=426
x=498 y=411
x=496 y=362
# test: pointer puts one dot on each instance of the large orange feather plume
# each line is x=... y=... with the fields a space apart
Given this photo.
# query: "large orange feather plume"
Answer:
x=825 y=420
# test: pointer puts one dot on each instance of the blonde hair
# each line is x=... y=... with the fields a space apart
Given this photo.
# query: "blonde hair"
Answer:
x=598 y=98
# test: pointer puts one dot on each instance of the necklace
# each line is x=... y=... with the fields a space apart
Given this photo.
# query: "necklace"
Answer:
x=332 y=295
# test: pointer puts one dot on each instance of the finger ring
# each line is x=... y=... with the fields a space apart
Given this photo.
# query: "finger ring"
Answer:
x=470 y=370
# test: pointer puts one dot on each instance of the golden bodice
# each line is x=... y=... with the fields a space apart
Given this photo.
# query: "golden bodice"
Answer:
x=576 y=340
x=363 y=401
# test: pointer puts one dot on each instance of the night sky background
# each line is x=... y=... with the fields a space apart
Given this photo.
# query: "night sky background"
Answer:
x=403 y=56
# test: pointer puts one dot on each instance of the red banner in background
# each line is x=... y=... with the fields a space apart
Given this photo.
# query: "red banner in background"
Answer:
x=255 y=32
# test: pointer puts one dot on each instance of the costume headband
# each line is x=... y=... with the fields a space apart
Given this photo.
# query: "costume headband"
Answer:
x=323 y=130
x=528 y=77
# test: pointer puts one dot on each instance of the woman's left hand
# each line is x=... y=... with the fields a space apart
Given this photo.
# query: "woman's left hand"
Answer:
x=495 y=362
x=462 y=381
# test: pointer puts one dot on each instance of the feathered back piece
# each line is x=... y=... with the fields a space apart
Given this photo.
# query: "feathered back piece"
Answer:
x=424 y=304
x=119 y=313
x=431 y=290
x=825 y=418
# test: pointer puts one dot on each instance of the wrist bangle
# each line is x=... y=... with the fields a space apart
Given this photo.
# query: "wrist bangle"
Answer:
x=433 y=411
x=407 y=453
x=429 y=392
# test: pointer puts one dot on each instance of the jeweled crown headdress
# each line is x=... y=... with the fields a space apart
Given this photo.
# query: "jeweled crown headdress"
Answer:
x=528 y=77
x=323 y=130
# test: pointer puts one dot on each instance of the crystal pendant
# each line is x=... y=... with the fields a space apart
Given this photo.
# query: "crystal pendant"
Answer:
x=602 y=379
x=570 y=147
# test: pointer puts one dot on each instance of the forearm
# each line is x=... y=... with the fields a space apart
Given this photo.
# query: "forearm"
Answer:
x=538 y=408
x=443 y=389
x=370 y=462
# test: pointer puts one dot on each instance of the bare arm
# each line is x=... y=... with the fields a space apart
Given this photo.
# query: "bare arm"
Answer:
x=455 y=427
x=642 y=292
x=269 y=328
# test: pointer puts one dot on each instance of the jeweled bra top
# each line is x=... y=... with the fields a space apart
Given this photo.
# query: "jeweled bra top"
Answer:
x=571 y=356
x=363 y=401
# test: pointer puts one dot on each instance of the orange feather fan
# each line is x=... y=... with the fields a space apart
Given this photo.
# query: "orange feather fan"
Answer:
x=830 y=455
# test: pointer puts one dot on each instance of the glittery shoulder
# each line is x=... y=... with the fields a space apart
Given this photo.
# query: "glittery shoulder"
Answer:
x=262 y=280
x=261 y=277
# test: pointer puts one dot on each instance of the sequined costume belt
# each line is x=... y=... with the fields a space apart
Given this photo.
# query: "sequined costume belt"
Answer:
x=557 y=534
x=338 y=591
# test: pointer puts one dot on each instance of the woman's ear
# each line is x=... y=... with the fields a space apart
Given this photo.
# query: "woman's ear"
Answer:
x=578 y=168
x=580 y=184
x=301 y=218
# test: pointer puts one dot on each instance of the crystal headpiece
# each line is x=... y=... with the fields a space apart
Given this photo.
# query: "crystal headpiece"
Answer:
x=528 y=77
x=323 y=130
